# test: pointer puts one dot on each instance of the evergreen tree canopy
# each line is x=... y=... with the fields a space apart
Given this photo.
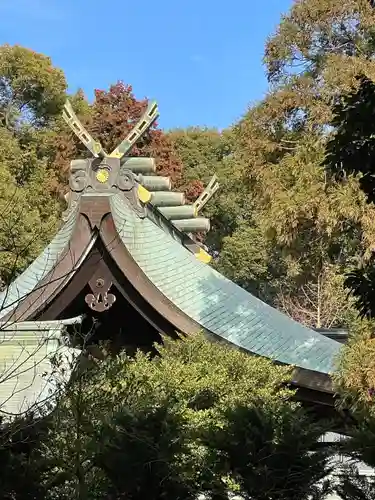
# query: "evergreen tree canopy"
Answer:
x=200 y=417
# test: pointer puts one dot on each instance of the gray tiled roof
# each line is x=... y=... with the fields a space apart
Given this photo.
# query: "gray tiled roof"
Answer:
x=215 y=302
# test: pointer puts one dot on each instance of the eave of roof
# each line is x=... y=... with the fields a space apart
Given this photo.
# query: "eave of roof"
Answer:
x=57 y=325
x=26 y=282
x=216 y=303
x=27 y=379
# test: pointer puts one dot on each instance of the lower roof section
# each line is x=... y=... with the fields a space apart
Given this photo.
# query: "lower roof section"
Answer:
x=27 y=375
x=216 y=303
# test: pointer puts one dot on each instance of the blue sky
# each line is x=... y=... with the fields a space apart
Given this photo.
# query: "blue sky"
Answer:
x=201 y=60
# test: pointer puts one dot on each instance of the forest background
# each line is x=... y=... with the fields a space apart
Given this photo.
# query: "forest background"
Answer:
x=284 y=226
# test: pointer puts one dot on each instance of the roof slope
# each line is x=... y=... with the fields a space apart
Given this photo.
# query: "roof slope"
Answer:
x=27 y=378
x=215 y=302
x=26 y=282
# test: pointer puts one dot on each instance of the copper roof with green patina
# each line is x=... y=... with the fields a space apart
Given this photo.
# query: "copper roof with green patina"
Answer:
x=216 y=303
x=26 y=282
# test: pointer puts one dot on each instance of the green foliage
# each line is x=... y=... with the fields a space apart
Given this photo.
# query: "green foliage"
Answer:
x=354 y=486
x=201 y=150
x=31 y=95
x=22 y=465
x=282 y=466
x=31 y=89
x=205 y=152
x=174 y=426
x=29 y=214
x=361 y=450
x=250 y=260
x=315 y=32
x=355 y=378
x=146 y=451
x=349 y=155
x=351 y=149
x=350 y=152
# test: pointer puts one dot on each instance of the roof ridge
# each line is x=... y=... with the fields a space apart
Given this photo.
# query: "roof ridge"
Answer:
x=138 y=180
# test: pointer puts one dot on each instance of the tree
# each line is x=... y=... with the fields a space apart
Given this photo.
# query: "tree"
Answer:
x=110 y=117
x=131 y=427
x=319 y=48
x=320 y=304
x=201 y=152
x=292 y=222
x=350 y=153
x=351 y=150
x=115 y=112
x=146 y=447
x=32 y=92
x=204 y=153
x=22 y=464
x=281 y=467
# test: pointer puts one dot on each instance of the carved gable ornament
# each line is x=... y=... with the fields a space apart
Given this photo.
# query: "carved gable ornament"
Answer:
x=106 y=173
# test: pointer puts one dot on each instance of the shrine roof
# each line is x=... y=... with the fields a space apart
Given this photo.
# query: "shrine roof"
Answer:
x=26 y=282
x=27 y=374
x=216 y=303
x=155 y=227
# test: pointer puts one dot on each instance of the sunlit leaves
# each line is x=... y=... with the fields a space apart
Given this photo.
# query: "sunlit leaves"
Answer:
x=202 y=417
x=31 y=89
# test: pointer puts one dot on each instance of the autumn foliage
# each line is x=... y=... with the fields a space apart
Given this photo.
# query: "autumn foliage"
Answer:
x=109 y=119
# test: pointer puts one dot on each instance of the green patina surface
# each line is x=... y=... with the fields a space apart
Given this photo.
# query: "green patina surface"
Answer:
x=24 y=358
x=26 y=371
x=26 y=282
x=215 y=302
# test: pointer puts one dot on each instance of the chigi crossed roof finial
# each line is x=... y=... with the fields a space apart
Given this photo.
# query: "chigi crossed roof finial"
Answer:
x=135 y=177
x=124 y=147
x=107 y=173
x=103 y=170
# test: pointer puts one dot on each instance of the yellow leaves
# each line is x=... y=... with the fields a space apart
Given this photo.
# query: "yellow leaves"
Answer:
x=356 y=374
x=312 y=30
x=294 y=195
x=295 y=191
x=340 y=70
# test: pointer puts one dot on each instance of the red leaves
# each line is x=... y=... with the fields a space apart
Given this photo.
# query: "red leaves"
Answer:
x=109 y=119
x=193 y=190
x=115 y=112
